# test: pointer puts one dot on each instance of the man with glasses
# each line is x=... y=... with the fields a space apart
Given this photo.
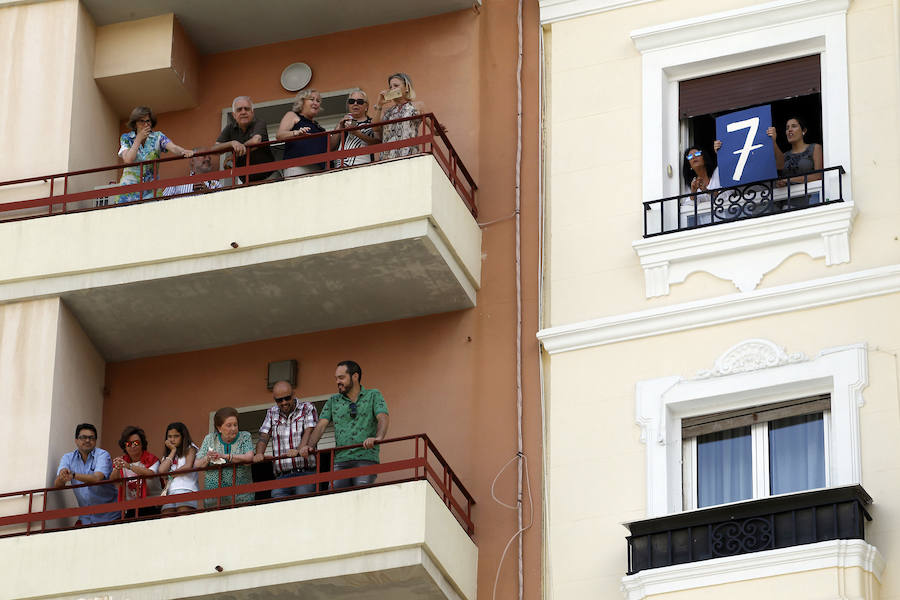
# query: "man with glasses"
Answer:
x=360 y=416
x=243 y=128
x=88 y=464
x=288 y=425
x=357 y=114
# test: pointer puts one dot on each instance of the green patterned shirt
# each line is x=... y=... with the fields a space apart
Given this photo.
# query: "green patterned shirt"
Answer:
x=349 y=430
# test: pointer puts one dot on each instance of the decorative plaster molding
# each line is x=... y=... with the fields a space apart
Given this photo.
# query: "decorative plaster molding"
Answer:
x=559 y=10
x=661 y=404
x=733 y=21
x=835 y=554
x=751 y=355
x=723 y=309
x=744 y=251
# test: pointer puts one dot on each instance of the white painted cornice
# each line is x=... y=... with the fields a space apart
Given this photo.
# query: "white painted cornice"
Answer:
x=758 y=565
x=723 y=309
x=733 y=21
x=559 y=10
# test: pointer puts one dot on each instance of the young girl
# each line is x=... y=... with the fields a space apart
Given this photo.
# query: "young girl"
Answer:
x=179 y=456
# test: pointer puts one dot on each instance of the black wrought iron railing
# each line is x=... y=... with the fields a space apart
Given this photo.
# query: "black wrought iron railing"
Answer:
x=745 y=201
x=745 y=527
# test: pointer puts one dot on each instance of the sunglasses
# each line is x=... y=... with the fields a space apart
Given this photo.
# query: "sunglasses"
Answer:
x=356 y=101
x=283 y=399
x=694 y=155
x=132 y=443
x=353 y=410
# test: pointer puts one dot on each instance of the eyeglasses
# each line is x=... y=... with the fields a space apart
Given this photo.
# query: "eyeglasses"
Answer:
x=145 y=120
x=243 y=109
x=132 y=443
x=283 y=399
x=356 y=101
x=694 y=155
x=353 y=410
x=87 y=438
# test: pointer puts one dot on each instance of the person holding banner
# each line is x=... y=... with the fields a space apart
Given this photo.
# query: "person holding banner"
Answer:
x=802 y=157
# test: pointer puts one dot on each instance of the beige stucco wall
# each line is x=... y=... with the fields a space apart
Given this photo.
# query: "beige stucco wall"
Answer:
x=148 y=234
x=51 y=378
x=116 y=44
x=95 y=129
x=37 y=54
x=594 y=443
x=594 y=123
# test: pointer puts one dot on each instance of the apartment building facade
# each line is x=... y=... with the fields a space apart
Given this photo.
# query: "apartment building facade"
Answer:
x=721 y=378
x=165 y=311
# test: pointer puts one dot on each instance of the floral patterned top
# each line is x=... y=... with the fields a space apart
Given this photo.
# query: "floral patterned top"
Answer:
x=241 y=445
x=151 y=149
x=400 y=131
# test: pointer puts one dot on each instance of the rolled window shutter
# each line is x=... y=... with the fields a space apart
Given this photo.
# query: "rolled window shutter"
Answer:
x=723 y=421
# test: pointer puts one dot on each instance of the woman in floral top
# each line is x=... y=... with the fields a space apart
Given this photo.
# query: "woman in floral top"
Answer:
x=398 y=108
x=226 y=446
x=140 y=144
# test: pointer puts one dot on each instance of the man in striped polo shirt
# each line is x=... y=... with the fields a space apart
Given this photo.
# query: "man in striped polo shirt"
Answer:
x=288 y=424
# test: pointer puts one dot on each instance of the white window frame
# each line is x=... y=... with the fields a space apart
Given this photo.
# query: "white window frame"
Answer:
x=742 y=251
x=759 y=442
x=752 y=373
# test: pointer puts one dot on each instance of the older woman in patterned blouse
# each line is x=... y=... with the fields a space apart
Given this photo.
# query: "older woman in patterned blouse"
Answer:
x=226 y=446
x=400 y=104
x=140 y=144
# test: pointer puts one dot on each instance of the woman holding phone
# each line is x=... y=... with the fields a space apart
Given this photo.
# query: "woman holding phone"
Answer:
x=396 y=103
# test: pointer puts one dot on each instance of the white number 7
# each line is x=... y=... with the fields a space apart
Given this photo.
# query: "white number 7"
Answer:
x=751 y=125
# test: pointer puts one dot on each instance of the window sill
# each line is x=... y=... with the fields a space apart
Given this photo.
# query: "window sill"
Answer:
x=834 y=554
x=743 y=252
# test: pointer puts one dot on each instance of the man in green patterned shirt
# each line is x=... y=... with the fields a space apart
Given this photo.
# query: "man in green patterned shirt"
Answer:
x=360 y=416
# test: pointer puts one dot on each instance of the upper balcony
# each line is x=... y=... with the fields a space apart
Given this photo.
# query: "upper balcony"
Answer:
x=406 y=536
x=372 y=243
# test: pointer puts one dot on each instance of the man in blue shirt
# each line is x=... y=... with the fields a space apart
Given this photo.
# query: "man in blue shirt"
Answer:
x=88 y=464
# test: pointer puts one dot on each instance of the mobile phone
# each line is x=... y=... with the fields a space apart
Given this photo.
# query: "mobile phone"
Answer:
x=393 y=94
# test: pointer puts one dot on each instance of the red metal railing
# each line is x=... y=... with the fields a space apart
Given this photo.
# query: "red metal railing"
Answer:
x=421 y=466
x=432 y=140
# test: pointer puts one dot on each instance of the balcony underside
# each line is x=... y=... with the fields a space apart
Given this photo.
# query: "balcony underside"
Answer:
x=217 y=26
x=395 y=541
x=373 y=244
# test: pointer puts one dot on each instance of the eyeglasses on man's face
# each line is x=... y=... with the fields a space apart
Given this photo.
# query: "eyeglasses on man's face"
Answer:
x=87 y=438
x=356 y=100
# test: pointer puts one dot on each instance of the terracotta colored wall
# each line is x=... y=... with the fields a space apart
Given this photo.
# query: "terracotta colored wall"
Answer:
x=462 y=393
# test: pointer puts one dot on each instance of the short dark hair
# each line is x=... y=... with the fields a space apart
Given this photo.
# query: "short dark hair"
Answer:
x=222 y=414
x=800 y=121
x=81 y=426
x=352 y=367
x=137 y=114
x=130 y=431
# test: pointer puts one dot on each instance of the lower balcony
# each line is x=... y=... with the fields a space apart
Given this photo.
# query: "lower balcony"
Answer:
x=405 y=537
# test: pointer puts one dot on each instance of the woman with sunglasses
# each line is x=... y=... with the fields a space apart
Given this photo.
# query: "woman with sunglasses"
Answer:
x=136 y=461
x=140 y=144
x=701 y=175
x=401 y=93
x=179 y=456
x=357 y=116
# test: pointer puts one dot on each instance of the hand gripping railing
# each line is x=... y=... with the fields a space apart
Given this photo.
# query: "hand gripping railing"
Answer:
x=417 y=467
x=432 y=139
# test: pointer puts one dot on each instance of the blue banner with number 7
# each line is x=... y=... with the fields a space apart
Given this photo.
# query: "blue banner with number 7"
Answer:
x=746 y=153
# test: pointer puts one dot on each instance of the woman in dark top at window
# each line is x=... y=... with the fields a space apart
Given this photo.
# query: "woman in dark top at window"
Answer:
x=296 y=125
x=802 y=157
